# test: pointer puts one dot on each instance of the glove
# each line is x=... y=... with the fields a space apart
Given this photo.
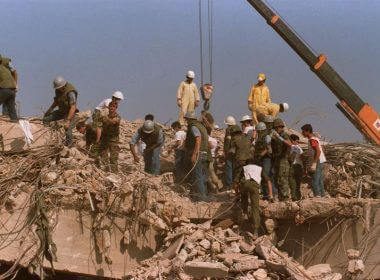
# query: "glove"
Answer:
x=313 y=167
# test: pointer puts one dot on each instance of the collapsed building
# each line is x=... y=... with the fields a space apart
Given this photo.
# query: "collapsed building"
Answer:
x=62 y=214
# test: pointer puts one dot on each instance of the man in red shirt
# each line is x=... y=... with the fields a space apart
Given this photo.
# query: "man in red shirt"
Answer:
x=316 y=159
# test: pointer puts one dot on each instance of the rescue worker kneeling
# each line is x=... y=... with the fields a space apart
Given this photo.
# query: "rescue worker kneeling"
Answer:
x=242 y=154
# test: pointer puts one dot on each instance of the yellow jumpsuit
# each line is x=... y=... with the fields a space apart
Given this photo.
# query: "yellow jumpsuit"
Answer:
x=187 y=95
x=259 y=102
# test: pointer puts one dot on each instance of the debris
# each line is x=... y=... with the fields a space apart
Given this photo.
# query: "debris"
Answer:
x=205 y=269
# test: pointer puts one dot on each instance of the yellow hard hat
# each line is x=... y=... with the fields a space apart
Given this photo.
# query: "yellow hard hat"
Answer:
x=261 y=77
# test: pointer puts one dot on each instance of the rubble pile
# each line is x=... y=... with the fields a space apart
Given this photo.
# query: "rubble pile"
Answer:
x=352 y=170
x=193 y=251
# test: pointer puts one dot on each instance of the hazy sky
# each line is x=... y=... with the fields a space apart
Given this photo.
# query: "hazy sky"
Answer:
x=144 y=48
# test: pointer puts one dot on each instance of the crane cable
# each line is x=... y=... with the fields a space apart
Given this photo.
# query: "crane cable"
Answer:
x=210 y=38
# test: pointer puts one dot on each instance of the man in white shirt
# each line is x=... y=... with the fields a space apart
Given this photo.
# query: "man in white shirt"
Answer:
x=317 y=158
x=179 y=150
x=213 y=179
x=296 y=168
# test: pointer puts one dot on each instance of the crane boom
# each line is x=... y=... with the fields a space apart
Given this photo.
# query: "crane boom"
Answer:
x=360 y=114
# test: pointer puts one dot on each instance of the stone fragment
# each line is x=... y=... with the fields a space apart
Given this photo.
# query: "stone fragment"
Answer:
x=246 y=263
x=246 y=247
x=319 y=270
x=224 y=224
x=232 y=248
x=150 y=218
x=270 y=225
x=69 y=177
x=196 y=236
x=260 y=274
x=205 y=244
x=215 y=247
x=353 y=254
x=113 y=178
x=205 y=269
x=355 y=266
x=49 y=178
x=173 y=250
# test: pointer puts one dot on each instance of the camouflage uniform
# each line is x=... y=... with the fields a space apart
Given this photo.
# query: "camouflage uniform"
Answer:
x=91 y=145
x=281 y=166
x=241 y=148
x=260 y=146
x=109 y=142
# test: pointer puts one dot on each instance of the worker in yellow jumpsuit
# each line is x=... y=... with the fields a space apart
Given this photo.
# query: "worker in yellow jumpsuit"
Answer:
x=187 y=96
x=259 y=101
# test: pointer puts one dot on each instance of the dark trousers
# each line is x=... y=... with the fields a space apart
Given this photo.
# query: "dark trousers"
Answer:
x=199 y=176
x=8 y=99
x=179 y=164
x=56 y=116
x=152 y=161
x=296 y=173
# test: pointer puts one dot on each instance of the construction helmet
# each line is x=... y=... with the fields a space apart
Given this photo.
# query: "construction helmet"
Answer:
x=246 y=118
x=190 y=116
x=230 y=120
x=118 y=94
x=285 y=106
x=268 y=119
x=59 y=82
x=235 y=128
x=278 y=122
x=148 y=127
x=190 y=74
x=261 y=77
x=261 y=126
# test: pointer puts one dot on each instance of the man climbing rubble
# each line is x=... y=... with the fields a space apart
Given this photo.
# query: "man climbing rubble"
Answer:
x=198 y=154
x=65 y=99
x=259 y=100
x=109 y=140
x=92 y=137
x=316 y=159
x=153 y=136
x=188 y=97
x=102 y=109
x=241 y=151
x=8 y=87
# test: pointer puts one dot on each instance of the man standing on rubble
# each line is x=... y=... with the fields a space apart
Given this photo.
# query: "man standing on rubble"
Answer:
x=280 y=150
x=259 y=100
x=153 y=136
x=187 y=96
x=65 y=99
x=241 y=151
x=316 y=159
x=198 y=153
x=8 y=87
x=109 y=141
x=230 y=122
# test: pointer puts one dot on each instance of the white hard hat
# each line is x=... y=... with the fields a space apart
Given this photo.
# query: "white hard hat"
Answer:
x=148 y=126
x=285 y=106
x=216 y=126
x=118 y=94
x=261 y=126
x=230 y=120
x=245 y=118
x=190 y=74
x=59 y=82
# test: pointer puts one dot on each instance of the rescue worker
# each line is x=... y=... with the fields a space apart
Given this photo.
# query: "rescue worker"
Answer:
x=188 y=97
x=102 y=109
x=92 y=137
x=65 y=99
x=247 y=127
x=179 y=150
x=229 y=121
x=109 y=140
x=280 y=148
x=8 y=87
x=242 y=154
x=153 y=136
x=263 y=158
x=198 y=154
x=259 y=100
x=316 y=160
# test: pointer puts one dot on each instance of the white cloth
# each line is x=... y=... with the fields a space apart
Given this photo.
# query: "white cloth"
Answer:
x=253 y=172
x=141 y=147
x=322 y=157
x=27 y=129
x=181 y=137
x=104 y=104
x=213 y=145
x=297 y=150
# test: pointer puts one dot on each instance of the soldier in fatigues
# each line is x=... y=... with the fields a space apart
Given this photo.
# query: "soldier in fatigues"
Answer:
x=92 y=138
x=280 y=148
x=242 y=154
x=263 y=153
x=65 y=99
x=109 y=141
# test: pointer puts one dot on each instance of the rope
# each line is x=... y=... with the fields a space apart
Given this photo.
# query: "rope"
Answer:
x=200 y=37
